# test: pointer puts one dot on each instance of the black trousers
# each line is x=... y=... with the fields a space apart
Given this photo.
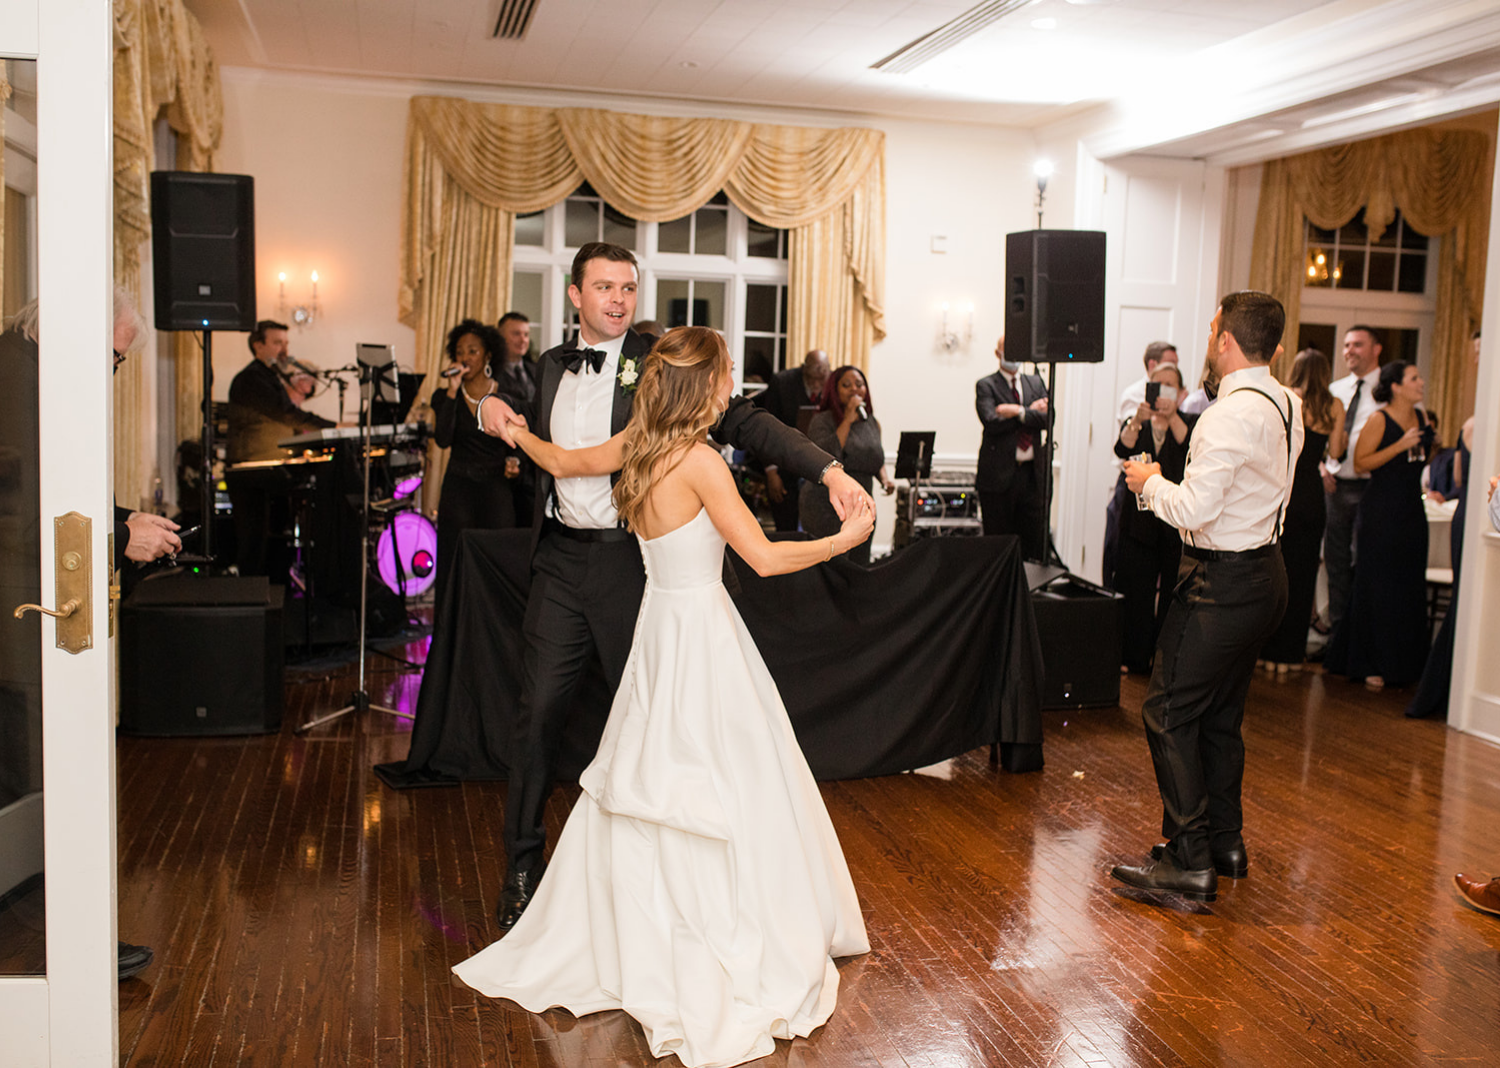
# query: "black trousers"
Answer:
x=1222 y=612
x=585 y=597
x=1017 y=510
x=785 y=512
x=1145 y=573
x=1338 y=543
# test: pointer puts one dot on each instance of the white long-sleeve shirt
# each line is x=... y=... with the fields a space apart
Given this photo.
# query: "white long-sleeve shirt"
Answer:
x=1239 y=471
x=1343 y=390
x=582 y=413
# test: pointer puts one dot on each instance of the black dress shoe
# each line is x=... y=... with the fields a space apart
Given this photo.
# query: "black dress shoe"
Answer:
x=517 y=894
x=133 y=959
x=1232 y=863
x=1199 y=885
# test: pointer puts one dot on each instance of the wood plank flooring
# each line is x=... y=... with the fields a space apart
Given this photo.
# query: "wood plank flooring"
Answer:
x=303 y=914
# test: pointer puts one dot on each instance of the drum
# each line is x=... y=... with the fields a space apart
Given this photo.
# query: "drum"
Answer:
x=406 y=554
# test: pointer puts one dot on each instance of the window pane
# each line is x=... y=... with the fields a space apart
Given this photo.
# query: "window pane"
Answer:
x=708 y=303
x=672 y=302
x=1392 y=234
x=1350 y=272
x=760 y=359
x=762 y=240
x=1318 y=236
x=619 y=229
x=760 y=308
x=1320 y=336
x=581 y=223
x=1413 y=276
x=713 y=232
x=570 y=313
x=1410 y=239
x=781 y=353
x=720 y=197
x=781 y=326
x=1320 y=267
x=530 y=229
x=526 y=296
x=676 y=235
x=1354 y=232
x=1382 y=271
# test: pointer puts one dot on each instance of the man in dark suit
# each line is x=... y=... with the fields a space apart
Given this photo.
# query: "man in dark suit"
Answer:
x=260 y=414
x=785 y=396
x=516 y=377
x=587 y=576
x=1013 y=408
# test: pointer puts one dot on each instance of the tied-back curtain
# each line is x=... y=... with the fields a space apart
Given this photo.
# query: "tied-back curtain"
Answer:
x=471 y=167
x=1439 y=177
x=161 y=61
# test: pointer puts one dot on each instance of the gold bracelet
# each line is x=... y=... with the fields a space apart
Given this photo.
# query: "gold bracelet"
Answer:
x=830 y=550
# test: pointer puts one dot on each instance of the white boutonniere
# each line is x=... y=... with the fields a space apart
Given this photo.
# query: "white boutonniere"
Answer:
x=628 y=375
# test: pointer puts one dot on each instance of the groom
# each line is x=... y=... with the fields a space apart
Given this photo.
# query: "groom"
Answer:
x=587 y=576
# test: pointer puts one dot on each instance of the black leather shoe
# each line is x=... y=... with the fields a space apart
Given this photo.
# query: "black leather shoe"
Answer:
x=517 y=894
x=1232 y=863
x=1200 y=885
x=133 y=959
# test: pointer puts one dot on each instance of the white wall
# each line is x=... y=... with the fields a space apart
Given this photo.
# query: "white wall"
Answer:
x=326 y=154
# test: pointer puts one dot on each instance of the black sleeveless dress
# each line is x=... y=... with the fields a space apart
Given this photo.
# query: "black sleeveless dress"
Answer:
x=1431 y=698
x=1384 y=631
x=1302 y=552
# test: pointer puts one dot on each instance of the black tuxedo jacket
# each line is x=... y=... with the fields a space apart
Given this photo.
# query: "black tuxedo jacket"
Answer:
x=743 y=425
x=997 y=452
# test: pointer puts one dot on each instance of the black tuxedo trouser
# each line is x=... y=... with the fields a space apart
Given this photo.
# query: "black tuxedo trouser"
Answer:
x=1338 y=543
x=1221 y=614
x=585 y=596
x=1016 y=510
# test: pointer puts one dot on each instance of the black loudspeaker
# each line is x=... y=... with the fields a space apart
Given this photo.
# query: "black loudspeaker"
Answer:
x=1079 y=627
x=201 y=656
x=1054 y=306
x=203 y=250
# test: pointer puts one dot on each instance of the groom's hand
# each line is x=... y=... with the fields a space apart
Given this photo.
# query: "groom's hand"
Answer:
x=846 y=494
x=496 y=418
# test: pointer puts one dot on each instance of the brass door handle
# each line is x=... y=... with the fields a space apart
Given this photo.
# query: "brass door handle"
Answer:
x=68 y=608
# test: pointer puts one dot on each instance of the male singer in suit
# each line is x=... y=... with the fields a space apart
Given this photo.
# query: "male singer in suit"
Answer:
x=1344 y=487
x=1013 y=408
x=785 y=396
x=587 y=576
x=261 y=414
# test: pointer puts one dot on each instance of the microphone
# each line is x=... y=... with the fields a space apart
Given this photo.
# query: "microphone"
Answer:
x=304 y=368
x=453 y=372
x=864 y=412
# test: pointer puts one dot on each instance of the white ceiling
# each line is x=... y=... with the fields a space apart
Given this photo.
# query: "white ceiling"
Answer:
x=1224 y=79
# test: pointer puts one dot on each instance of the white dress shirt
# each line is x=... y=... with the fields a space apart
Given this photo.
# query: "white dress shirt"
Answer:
x=1239 y=474
x=1343 y=389
x=1133 y=397
x=582 y=414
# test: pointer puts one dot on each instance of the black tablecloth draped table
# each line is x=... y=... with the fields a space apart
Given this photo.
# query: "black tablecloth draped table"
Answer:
x=926 y=655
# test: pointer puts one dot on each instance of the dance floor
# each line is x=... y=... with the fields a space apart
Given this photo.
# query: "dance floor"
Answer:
x=303 y=914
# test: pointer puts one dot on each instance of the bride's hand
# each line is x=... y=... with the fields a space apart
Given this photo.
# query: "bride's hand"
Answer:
x=857 y=526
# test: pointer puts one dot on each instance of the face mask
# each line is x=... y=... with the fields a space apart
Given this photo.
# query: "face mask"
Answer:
x=1008 y=367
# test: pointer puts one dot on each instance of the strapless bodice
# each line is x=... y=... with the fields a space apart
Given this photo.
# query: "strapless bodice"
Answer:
x=690 y=557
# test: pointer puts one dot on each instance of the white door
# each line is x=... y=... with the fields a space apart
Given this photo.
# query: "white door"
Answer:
x=68 y=1015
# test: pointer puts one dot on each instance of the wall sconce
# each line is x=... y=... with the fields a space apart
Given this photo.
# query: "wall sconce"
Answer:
x=300 y=314
x=951 y=336
x=1042 y=168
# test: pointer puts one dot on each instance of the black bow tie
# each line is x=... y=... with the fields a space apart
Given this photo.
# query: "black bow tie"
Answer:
x=577 y=357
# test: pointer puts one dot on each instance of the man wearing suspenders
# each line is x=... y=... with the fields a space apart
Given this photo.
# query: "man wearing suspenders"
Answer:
x=1230 y=595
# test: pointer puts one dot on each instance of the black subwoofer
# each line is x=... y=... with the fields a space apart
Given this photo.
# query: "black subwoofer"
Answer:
x=203 y=250
x=1079 y=627
x=201 y=656
x=1054 y=296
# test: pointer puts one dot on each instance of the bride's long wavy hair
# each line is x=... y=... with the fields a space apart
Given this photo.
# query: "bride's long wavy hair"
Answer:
x=676 y=405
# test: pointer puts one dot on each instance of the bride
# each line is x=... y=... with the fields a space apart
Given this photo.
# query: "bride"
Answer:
x=698 y=883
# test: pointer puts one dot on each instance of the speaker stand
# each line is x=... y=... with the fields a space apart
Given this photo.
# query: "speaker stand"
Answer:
x=360 y=701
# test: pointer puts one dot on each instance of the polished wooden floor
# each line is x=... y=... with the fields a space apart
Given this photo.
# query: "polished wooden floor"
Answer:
x=303 y=914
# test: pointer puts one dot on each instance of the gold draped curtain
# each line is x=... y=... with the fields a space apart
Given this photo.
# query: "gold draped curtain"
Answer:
x=1439 y=177
x=471 y=168
x=161 y=61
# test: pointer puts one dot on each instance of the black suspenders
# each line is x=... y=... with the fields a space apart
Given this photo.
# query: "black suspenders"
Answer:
x=1286 y=422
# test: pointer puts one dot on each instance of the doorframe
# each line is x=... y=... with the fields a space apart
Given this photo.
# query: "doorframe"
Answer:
x=70 y=1016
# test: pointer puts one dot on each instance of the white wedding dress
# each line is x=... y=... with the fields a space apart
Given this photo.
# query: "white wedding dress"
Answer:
x=698 y=883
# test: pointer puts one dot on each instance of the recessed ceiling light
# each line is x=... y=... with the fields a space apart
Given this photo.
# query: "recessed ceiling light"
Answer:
x=1044 y=24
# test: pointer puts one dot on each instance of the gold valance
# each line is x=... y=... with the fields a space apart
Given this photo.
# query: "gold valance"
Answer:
x=471 y=167
x=1439 y=177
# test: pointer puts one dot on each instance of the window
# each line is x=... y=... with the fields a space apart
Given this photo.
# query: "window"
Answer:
x=715 y=267
x=1346 y=258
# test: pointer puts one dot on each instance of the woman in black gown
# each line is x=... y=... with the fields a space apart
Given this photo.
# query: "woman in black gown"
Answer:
x=1150 y=550
x=1302 y=529
x=476 y=487
x=1382 y=639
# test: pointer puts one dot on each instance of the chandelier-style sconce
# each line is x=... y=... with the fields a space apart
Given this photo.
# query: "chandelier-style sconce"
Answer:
x=1320 y=271
x=1042 y=169
x=299 y=315
x=953 y=334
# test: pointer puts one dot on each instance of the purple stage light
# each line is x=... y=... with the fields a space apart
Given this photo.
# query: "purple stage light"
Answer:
x=408 y=549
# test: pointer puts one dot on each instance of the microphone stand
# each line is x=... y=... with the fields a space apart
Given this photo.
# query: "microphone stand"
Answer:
x=359 y=701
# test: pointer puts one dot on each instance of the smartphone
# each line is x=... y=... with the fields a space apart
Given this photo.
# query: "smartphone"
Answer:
x=1153 y=393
